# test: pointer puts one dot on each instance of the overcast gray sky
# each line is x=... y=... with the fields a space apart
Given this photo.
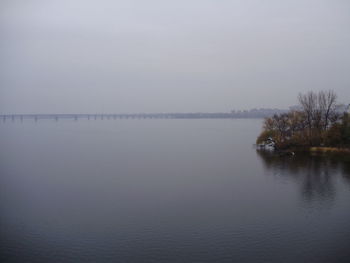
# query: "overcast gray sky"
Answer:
x=170 y=56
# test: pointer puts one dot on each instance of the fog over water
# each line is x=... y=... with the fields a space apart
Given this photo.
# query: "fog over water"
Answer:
x=63 y=56
x=83 y=179
x=165 y=191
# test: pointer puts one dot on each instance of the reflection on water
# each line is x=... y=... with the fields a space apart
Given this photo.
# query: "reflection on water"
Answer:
x=316 y=173
x=165 y=191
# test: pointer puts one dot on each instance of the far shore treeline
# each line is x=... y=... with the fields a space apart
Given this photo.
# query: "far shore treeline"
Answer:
x=318 y=123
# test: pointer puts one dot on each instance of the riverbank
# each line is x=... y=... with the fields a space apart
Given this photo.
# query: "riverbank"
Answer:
x=312 y=150
x=329 y=150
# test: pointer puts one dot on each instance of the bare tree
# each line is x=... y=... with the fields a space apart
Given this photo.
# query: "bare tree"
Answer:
x=320 y=112
x=319 y=120
x=309 y=105
x=319 y=108
x=327 y=106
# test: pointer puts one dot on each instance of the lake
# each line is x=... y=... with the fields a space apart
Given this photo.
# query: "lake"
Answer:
x=165 y=191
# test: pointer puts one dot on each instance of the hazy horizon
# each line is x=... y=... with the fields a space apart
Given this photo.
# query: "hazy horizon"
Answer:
x=159 y=56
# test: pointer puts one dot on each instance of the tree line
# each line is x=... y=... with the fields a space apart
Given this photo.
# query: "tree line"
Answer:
x=319 y=122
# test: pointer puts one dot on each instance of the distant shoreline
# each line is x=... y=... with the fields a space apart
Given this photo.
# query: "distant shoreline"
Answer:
x=234 y=114
x=248 y=115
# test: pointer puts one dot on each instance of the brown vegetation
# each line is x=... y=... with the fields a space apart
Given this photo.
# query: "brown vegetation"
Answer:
x=317 y=123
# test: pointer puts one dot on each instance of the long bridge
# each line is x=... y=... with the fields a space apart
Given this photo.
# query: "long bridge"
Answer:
x=56 y=117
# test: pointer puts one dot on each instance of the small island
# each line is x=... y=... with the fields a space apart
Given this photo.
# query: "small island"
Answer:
x=318 y=124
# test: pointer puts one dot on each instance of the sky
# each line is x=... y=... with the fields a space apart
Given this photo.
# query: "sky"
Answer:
x=104 y=56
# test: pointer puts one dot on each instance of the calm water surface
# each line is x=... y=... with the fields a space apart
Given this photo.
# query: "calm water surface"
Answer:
x=165 y=191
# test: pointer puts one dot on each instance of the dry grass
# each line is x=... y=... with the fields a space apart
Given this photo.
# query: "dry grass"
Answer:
x=329 y=150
